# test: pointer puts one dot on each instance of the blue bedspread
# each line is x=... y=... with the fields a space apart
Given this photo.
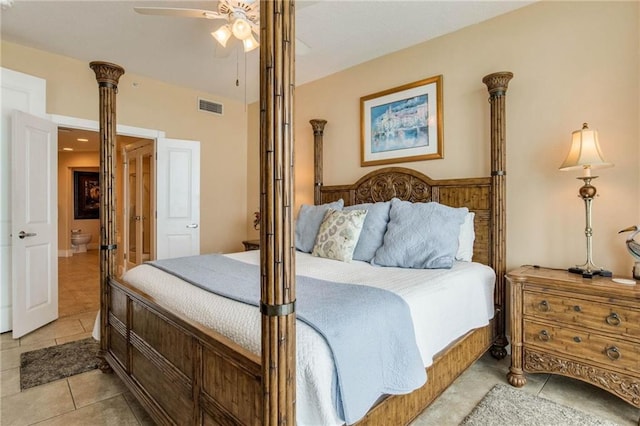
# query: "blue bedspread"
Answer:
x=369 y=330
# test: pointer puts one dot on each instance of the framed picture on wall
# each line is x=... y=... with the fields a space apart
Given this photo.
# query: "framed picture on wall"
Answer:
x=402 y=124
x=86 y=195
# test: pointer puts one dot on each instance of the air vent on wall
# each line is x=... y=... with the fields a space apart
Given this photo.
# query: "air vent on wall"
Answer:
x=209 y=106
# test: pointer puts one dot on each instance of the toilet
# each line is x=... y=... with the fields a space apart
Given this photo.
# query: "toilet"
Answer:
x=79 y=241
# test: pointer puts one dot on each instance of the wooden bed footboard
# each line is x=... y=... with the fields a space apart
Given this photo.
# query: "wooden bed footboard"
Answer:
x=186 y=374
x=181 y=372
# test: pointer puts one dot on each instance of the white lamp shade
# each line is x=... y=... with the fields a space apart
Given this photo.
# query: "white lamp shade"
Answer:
x=241 y=29
x=222 y=34
x=250 y=43
x=585 y=151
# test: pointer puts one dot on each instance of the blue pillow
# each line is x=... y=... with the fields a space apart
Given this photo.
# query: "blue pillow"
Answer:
x=375 y=225
x=308 y=223
x=421 y=235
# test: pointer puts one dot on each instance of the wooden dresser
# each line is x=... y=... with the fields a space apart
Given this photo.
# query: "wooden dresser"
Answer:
x=588 y=329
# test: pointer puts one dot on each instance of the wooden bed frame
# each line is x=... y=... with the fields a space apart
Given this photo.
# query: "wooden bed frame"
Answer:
x=186 y=374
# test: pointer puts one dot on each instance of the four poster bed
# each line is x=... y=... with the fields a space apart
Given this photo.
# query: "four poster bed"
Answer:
x=184 y=372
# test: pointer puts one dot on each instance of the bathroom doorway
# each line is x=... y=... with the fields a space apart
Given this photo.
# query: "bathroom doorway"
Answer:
x=79 y=264
x=78 y=224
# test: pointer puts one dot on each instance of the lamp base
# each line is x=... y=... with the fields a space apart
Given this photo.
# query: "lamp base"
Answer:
x=590 y=273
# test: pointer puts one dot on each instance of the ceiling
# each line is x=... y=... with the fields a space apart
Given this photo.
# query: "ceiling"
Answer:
x=181 y=51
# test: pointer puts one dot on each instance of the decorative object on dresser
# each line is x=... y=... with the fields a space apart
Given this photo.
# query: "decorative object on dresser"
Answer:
x=585 y=154
x=256 y=221
x=634 y=249
x=587 y=329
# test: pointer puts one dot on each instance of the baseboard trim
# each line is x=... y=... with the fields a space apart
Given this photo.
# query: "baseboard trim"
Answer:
x=65 y=253
x=6 y=319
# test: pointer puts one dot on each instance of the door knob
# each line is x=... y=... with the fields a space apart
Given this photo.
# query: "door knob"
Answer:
x=23 y=234
x=193 y=225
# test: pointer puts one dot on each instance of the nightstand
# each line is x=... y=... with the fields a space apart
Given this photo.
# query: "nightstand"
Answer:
x=251 y=245
x=587 y=329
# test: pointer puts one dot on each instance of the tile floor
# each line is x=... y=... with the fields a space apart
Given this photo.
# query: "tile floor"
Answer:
x=94 y=398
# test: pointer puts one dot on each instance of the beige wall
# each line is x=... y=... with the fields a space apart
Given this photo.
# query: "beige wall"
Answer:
x=72 y=91
x=253 y=166
x=68 y=162
x=573 y=62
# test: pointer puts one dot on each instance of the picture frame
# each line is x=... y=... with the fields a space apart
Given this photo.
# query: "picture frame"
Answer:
x=402 y=124
x=86 y=195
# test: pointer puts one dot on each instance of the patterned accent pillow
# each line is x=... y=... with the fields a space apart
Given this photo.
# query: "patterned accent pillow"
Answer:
x=338 y=234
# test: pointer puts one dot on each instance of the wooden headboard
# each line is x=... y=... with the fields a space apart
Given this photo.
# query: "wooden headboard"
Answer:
x=411 y=185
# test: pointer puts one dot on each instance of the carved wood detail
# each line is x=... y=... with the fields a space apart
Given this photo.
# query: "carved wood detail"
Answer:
x=107 y=76
x=390 y=185
x=626 y=387
x=318 y=132
x=497 y=84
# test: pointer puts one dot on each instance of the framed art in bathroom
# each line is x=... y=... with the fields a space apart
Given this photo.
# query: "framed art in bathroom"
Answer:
x=86 y=195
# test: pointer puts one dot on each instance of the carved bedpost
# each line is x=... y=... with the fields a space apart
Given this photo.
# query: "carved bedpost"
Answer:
x=497 y=84
x=318 y=132
x=277 y=254
x=107 y=76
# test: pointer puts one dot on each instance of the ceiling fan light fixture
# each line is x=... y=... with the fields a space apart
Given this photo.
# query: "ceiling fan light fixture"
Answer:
x=241 y=29
x=250 y=43
x=222 y=34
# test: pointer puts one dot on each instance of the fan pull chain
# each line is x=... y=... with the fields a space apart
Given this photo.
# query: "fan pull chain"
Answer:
x=237 y=67
x=245 y=81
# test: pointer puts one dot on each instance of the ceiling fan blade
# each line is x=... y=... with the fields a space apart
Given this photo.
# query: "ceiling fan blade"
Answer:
x=179 y=12
x=302 y=48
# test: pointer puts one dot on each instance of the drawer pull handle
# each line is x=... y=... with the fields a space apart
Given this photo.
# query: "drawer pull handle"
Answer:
x=544 y=335
x=543 y=306
x=577 y=339
x=613 y=319
x=577 y=308
x=613 y=353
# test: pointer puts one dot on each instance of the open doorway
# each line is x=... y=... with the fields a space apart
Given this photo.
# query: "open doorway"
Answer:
x=78 y=217
x=139 y=202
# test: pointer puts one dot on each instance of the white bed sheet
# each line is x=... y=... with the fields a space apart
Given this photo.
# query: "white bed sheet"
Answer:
x=444 y=304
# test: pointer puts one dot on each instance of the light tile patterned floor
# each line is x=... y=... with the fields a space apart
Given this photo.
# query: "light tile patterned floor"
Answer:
x=94 y=398
x=91 y=398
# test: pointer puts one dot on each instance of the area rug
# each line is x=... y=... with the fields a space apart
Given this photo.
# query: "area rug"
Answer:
x=57 y=362
x=505 y=405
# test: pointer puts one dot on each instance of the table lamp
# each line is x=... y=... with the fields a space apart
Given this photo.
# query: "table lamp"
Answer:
x=585 y=154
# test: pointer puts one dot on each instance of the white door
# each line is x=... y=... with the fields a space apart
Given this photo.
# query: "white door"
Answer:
x=178 y=198
x=25 y=93
x=34 y=230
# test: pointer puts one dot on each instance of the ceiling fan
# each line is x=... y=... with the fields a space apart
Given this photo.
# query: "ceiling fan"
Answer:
x=242 y=16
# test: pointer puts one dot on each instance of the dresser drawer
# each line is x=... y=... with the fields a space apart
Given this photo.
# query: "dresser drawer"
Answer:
x=600 y=316
x=607 y=351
